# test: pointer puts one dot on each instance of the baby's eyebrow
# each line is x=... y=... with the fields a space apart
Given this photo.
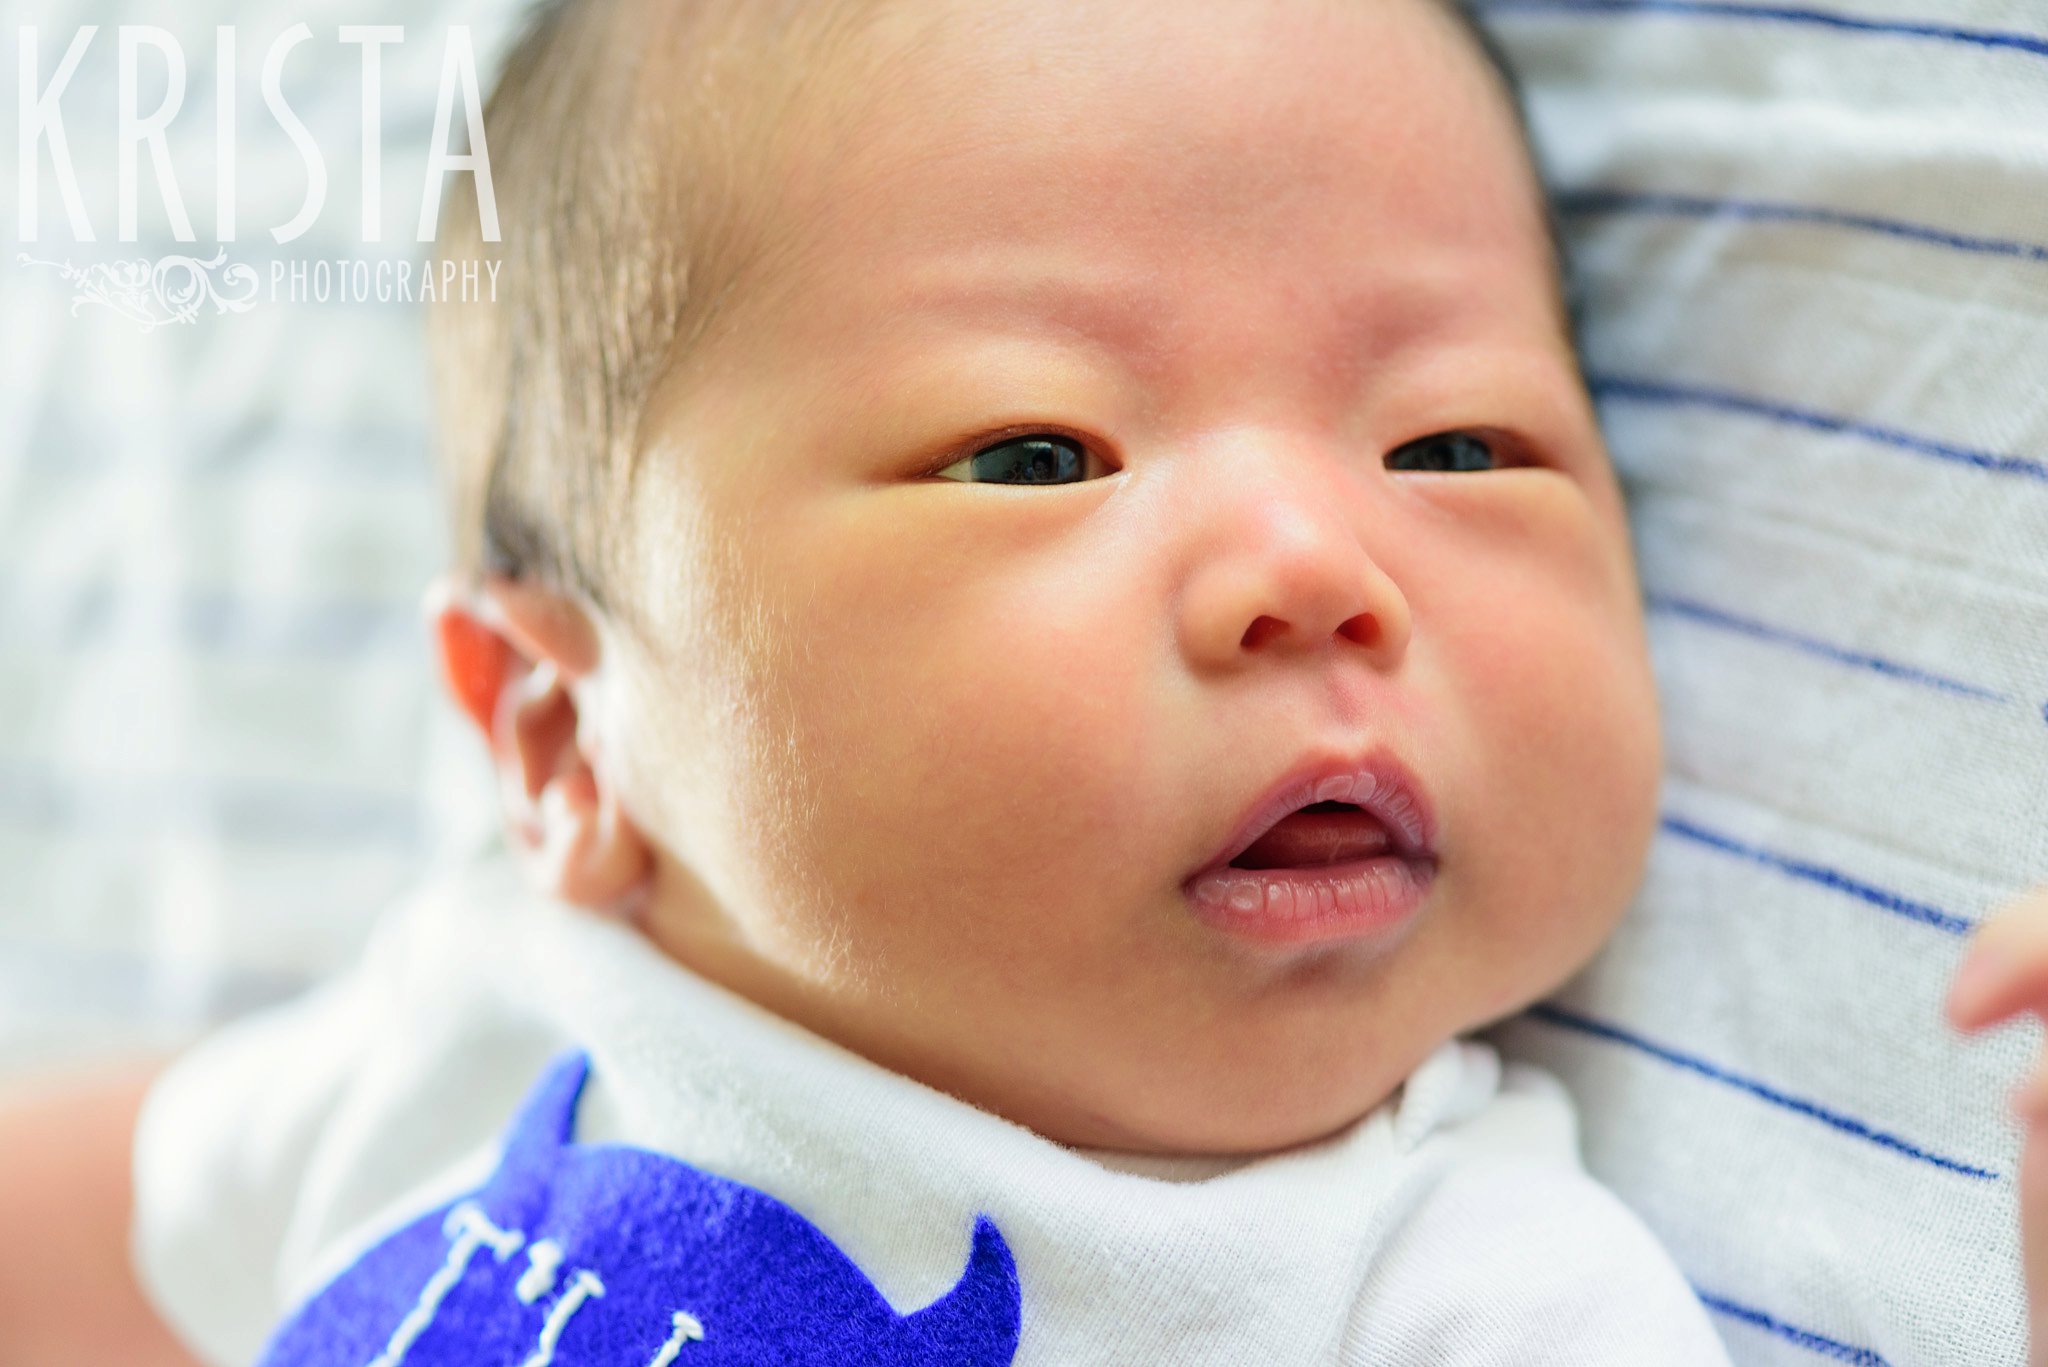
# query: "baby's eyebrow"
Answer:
x=1114 y=312
x=1128 y=315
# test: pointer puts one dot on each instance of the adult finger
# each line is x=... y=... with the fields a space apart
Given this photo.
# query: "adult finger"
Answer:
x=2004 y=967
x=2034 y=1237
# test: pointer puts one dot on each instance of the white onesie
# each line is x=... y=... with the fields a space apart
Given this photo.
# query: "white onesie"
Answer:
x=517 y=1134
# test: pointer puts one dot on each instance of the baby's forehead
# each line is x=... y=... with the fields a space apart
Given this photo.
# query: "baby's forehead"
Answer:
x=812 y=79
x=1165 y=153
x=1249 y=82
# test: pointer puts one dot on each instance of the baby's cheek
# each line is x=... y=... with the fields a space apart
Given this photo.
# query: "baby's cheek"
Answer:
x=1537 y=617
x=1569 y=527
x=966 y=736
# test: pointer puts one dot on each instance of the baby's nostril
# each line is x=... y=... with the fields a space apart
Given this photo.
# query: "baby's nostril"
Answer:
x=1262 y=630
x=1363 y=628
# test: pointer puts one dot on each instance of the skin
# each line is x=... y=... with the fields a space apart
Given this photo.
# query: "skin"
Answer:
x=2003 y=977
x=67 y=1290
x=921 y=764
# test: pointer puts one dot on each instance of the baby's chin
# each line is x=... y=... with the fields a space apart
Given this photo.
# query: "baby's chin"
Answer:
x=1254 y=1086
x=1236 y=1111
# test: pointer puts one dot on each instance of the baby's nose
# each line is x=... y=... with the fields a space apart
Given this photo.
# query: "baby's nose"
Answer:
x=1285 y=565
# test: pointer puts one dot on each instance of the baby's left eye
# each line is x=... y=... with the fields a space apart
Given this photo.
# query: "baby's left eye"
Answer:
x=1445 y=452
x=1038 y=458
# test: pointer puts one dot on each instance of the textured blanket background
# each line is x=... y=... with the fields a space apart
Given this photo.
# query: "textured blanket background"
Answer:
x=1814 y=242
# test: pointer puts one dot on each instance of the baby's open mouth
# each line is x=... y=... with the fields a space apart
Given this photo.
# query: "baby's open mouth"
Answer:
x=1318 y=834
x=1338 y=849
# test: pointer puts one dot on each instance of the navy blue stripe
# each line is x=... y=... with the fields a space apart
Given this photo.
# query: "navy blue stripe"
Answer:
x=32 y=795
x=1627 y=389
x=118 y=983
x=220 y=622
x=1829 y=878
x=1805 y=1338
x=1693 y=206
x=362 y=446
x=1555 y=1015
x=1713 y=616
x=93 y=614
x=1779 y=14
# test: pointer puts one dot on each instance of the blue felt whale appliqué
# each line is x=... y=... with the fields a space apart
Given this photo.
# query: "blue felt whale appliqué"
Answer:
x=605 y=1255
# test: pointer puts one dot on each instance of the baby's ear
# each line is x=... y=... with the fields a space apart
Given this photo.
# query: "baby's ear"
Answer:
x=515 y=657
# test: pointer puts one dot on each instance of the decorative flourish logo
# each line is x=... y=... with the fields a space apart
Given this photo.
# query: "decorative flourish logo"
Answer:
x=171 y=289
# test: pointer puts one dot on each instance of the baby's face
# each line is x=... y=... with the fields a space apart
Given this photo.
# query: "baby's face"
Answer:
x=931 y=750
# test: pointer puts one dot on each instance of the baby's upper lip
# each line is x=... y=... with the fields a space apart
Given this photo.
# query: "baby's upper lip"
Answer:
x=1375 y=780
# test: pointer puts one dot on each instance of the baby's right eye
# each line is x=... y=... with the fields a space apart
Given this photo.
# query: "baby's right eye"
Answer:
x=1037 y=458
x=1445 y=453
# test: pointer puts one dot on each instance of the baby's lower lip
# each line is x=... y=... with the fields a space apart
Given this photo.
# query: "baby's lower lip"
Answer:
x=1367 y=899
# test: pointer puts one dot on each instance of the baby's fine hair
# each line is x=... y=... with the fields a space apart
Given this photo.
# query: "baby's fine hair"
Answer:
x=634 y=148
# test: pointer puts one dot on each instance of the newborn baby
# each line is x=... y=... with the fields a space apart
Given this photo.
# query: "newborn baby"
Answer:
x=1088 y=573
x=1044 y=579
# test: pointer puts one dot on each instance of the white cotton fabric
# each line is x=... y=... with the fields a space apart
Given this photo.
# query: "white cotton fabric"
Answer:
x=1813 y=239
x=1452 y=1225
